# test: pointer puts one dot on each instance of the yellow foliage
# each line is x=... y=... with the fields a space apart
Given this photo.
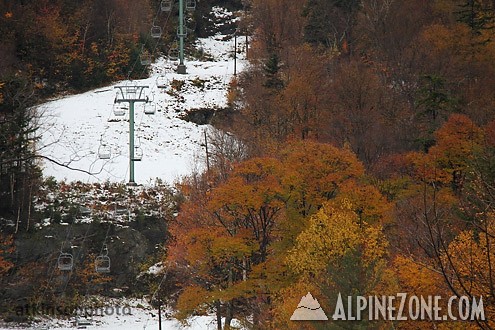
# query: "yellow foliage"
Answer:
x=193 y=299
x=375 y=245
x=224 y=248
x=334 y=231
x=470 y=256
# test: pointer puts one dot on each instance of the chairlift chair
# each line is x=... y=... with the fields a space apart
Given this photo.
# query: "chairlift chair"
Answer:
x=145 y=58
x=119 y=111
x=149 y=109
x=138 y=154
x=161 y=82
x=83 y=323
x=104 y=151
x=65 y=261
x=156 y=32
x=190 y=4
x=166 y=5
x=173 y=52
x=102 y=264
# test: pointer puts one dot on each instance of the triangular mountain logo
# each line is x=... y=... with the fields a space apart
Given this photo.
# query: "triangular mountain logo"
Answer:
x=308 y=310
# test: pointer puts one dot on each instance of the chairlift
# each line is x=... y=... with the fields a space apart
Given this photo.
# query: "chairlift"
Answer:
x=166 y=5
x=161 y=81
x=83 y=323
x=138 y=154
x=190 y=4
x=65 y=261
x=173 y=52
x=156 y=32
x=104 y=151
x=119 y=110
x=102 y=262
x=149 y=109
x=145 y=58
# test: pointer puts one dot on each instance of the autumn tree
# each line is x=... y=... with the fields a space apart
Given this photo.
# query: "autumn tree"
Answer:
x=340 y=253
x=314 y=172
x=444 y=223
x=303 y=100
x=232 y=232
x=361 y=109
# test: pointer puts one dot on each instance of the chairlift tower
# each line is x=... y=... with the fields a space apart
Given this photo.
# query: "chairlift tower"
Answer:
x=181 y=68
x=131 y=94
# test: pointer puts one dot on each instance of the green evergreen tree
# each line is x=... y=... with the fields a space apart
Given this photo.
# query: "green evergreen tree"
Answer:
x=19 y=172
x=477 y=15
x=271 y=69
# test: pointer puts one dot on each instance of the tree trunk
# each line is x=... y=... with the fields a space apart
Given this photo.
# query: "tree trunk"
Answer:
x=229 y=315
x=30 y=201
x=229 y=312
x=219 y=315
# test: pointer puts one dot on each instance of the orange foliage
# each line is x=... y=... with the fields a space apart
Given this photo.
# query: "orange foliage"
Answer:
x=6 y=249
x=457 y=140
x=367 y=202
x=314 y=171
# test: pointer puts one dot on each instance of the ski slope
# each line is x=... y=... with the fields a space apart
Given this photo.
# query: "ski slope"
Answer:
x=122 y=314
x=73 y=127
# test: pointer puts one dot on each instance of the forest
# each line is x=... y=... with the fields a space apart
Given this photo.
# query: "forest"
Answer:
x=363 y=161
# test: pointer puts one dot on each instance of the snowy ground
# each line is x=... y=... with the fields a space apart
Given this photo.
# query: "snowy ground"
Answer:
x=129 y=314
x=75 y=126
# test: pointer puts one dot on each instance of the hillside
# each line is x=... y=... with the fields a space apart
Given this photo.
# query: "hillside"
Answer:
x=75 y=126
x=349 y=160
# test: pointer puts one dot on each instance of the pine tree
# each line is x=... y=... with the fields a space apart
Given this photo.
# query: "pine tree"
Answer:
x=476 y=15
x=18 y=169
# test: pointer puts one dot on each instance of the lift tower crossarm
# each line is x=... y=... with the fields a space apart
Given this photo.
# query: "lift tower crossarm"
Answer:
x=131 y=94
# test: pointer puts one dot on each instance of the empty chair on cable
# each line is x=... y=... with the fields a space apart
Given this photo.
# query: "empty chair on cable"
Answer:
x=149 y=109
x=119 y=110
x=65 y=261
x=190 y=4
x=166 y=5
x=145 y=58
x=161 y=81
x=104 y=151
x=138 y=154
x=102 y=262
x=173 y=52
x=83 y=322
x=156 y=32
